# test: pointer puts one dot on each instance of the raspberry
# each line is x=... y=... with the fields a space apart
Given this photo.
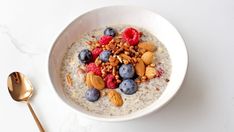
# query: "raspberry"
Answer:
x=104 y=40
x=131 y=35
x=96 y=52
x=92 y=67
x=159 y=72
x=110 y=81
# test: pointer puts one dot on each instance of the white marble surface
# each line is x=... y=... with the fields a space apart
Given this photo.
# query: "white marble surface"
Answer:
x=204 y=103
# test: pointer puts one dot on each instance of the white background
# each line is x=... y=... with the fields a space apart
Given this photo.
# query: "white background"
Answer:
x=204 y=103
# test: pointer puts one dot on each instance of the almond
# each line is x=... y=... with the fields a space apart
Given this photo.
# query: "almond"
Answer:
x=115 y=98
x=97 y=82
x=147 y=57
x=140 y=67
x=149 y=46
x=150 y=72
x=88 y=79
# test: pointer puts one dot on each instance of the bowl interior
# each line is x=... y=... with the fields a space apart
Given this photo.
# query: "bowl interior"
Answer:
x=115 y=15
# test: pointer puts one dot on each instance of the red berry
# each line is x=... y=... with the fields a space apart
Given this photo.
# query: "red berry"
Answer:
x=131 y=35
x=96 y=52
x=92 y=67
x=105 y=39
x=110 y=81
x=159 y=73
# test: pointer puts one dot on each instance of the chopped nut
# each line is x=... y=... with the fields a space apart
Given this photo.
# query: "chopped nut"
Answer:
x=152 y=65
x=138 y=81
x=125 y=62
x=118 y=81
x=143 y=78
x=120 y=59
x=98 y=61
x=103 y=93
x=126 y=57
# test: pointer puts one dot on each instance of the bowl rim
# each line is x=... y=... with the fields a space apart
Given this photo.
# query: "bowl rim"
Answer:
x=120 y=118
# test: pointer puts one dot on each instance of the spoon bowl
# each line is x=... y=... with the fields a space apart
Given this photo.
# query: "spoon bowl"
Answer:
x=20 y=89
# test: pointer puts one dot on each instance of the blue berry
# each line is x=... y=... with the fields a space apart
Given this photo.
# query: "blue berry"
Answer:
x=128 y=86
x=126 y=71
x=104 y=56
x=92 y=94
x=109 y=31
x=85 y=56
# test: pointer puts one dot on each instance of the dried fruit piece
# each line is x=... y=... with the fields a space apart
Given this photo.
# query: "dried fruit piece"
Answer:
x=147 y=57
x=69 y=80
x=115 y=98
x=88 y=79
x=140 y=67
x=150 y=72
x=97 y=82
x=149 y=46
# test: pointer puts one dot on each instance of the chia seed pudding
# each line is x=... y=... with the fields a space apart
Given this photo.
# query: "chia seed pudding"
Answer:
x=73 y=74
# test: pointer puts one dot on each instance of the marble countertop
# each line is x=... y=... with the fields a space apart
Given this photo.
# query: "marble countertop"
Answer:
x=204 y=103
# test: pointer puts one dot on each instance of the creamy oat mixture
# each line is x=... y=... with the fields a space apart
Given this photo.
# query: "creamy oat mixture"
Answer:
x=147 y=93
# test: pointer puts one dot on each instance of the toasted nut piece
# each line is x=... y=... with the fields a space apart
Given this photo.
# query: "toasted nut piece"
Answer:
x=150 y=72
x=115 y=98
x=112 y=59
x=140 y=67
x=119 y=58
x=69 y=80
x=98 y=61
x=114 y=71
x=147 y=57
x=118 y=81
x=126 y=52
x=152 y=65
x=125 y=62
x=97 y=82
x=126 y=57
x=88 y=79
x=138 y=81
x=143 y=78
x=103 y=93
x=149 y=46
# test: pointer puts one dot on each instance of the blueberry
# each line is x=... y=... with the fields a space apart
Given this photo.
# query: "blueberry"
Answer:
x=126 y=71
x=85 y=56
x=109 y=31
x=92 y=94
x=104 y=56
x=128 y=86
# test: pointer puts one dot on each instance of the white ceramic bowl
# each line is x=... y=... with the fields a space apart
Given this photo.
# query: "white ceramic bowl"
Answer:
x=114 y=15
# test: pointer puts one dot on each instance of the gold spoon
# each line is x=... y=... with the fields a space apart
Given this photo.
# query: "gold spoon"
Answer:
x=21 y=90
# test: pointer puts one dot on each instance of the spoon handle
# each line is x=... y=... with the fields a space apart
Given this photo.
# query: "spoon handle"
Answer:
x=35 y=118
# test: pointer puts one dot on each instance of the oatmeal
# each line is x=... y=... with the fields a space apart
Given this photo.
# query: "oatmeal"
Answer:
x=117 y=73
